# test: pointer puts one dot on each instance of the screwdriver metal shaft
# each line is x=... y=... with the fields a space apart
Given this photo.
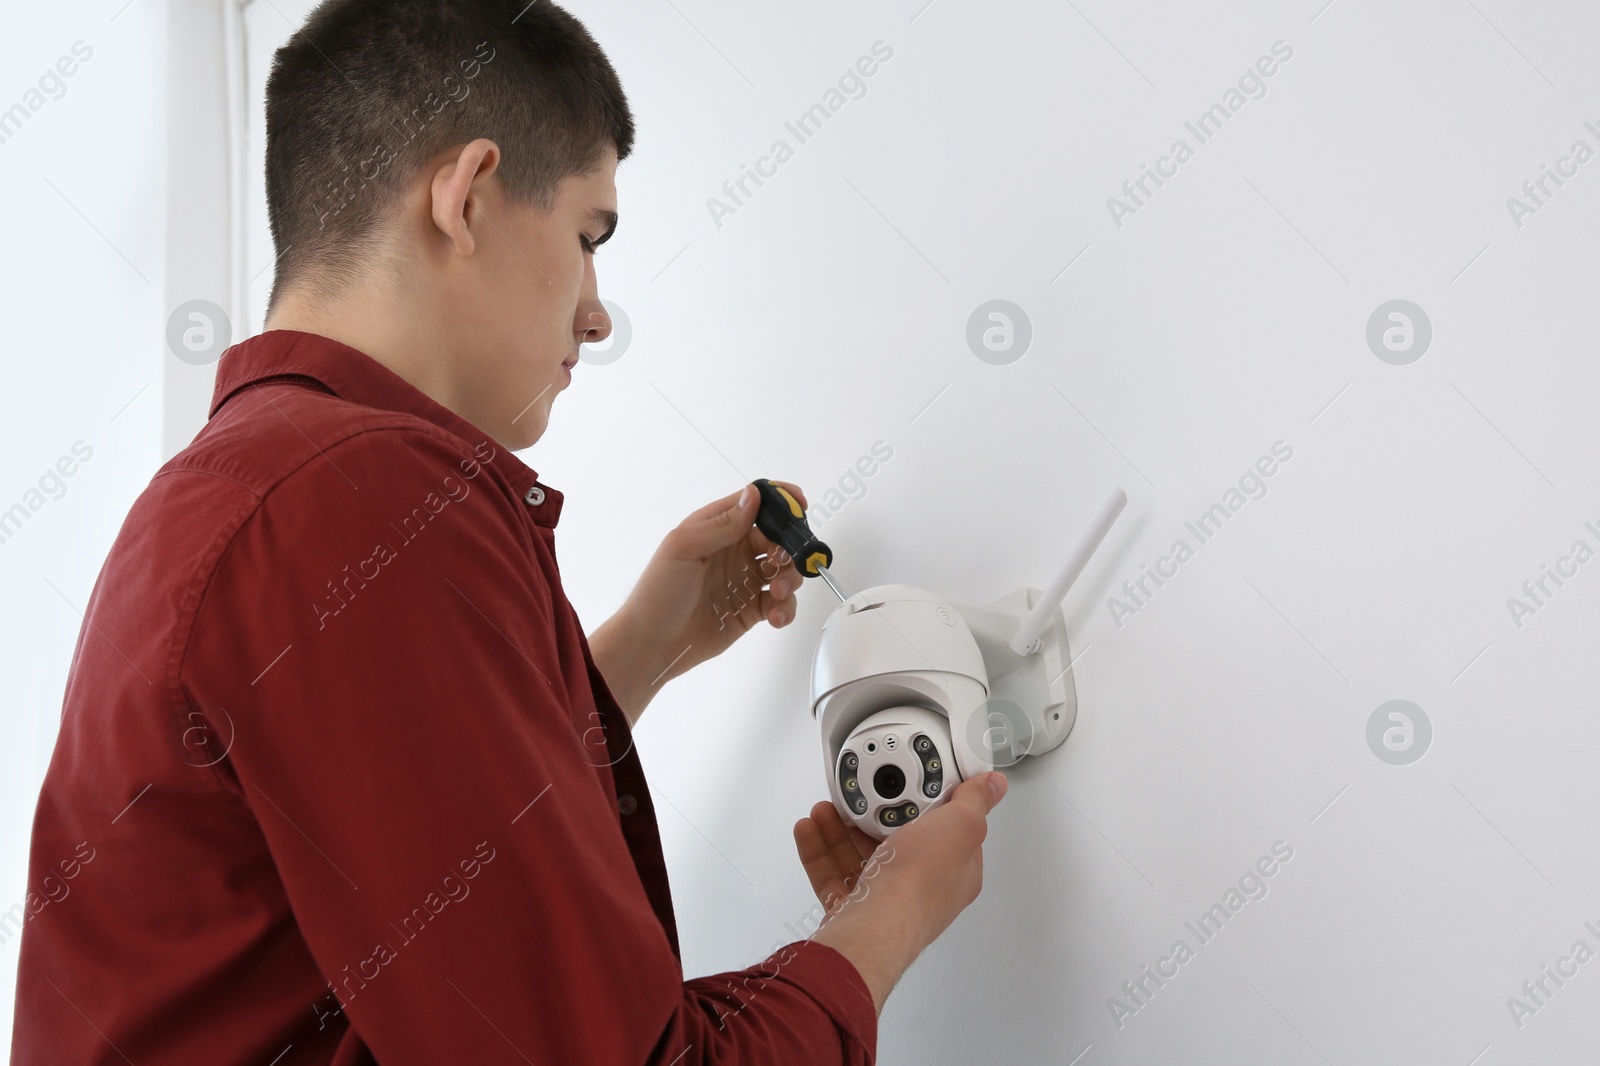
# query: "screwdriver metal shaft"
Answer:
x=823 y=572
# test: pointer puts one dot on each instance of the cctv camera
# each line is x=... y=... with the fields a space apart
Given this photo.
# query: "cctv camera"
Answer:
x=899 y=688
x=914 y=694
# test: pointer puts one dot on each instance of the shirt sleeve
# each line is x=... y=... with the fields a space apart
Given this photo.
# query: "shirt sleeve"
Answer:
x=379 y=639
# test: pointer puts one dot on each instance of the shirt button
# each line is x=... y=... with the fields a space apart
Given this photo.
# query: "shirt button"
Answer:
x=535 y=496
x=627 y=804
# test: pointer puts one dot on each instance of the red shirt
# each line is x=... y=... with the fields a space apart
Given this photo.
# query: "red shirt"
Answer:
x=338 y=780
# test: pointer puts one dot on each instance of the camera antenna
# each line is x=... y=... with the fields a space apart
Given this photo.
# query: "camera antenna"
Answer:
x=1026 y=642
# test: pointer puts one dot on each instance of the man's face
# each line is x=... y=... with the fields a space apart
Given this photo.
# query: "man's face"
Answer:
x=525 y=299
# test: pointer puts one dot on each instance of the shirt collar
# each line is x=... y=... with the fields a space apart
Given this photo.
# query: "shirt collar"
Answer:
x=357 y=377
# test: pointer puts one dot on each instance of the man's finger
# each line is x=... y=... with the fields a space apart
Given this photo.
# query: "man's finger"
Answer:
x=845 y=848
x=785 y=607
x=717 y=526
x=776 y=561
x=715 y=507
x=865 y=845
x=981 y=793
x=763 y=545
x=751 y=613
x=817 y=860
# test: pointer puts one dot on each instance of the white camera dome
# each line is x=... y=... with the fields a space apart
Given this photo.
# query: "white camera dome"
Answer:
x=903 y=656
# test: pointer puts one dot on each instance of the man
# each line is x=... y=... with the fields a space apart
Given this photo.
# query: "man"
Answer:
x=340 y=778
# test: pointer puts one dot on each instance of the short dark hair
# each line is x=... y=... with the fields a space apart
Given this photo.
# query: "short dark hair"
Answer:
x=368 y=91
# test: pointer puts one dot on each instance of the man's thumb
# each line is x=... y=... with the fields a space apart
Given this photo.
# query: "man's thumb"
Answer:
x=987 y=788
x=734 y=520
x=717 y=530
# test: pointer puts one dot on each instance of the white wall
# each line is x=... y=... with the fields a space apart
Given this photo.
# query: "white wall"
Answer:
x=83 y=297
x=1219 y=319
x=1168 y=353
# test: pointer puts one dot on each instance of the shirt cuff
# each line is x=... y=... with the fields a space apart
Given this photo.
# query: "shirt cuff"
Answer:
x=832 y=980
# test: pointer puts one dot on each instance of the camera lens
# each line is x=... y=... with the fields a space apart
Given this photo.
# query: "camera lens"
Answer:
x=890 y=781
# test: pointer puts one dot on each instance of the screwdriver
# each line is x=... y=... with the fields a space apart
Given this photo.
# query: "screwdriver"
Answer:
x=782 y=520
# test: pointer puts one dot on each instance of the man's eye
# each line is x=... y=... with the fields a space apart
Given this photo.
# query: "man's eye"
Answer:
x=588 y=245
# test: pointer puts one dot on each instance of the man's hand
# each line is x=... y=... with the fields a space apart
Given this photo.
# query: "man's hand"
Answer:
x=927 y=873
x=832 y=853
x=712 y=579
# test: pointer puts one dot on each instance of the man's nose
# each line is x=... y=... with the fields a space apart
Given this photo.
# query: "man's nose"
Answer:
x=593 y=324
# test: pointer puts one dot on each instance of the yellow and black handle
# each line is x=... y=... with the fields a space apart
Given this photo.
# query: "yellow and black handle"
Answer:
x=782 y=520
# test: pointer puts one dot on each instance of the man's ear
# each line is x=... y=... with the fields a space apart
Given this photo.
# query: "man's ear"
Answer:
x=453 y=205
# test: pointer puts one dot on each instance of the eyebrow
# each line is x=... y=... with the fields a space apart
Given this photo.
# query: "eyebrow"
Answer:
x=609 y=218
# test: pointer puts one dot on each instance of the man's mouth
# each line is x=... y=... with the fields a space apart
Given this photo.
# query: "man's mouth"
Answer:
x=570 y=361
